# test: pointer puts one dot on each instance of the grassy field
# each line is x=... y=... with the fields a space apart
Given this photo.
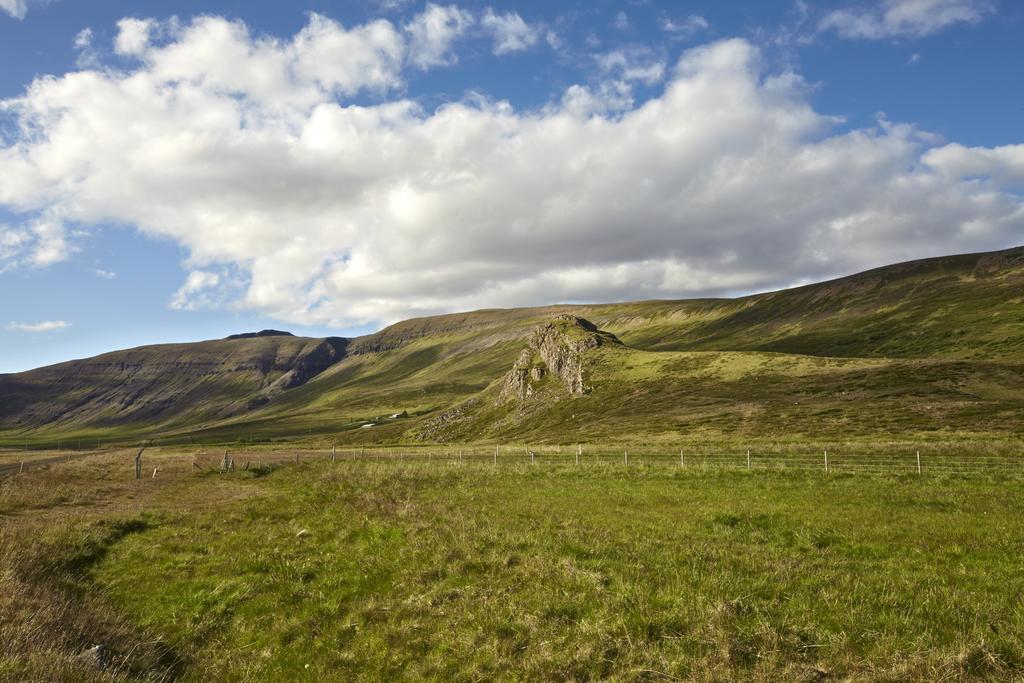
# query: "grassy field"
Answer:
x=387 y=569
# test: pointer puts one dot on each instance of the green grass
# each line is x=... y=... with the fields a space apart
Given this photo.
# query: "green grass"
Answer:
x=388 y=571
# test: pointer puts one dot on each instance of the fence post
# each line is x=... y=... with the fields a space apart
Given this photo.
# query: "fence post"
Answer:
x=748 y=459
x=579 y=449
x=533 y=458
x=138 y=463
x=495 y=455
x=919 y=462
x=826 y=461
x=22 y=468
x=625 y=457
x=334 y=453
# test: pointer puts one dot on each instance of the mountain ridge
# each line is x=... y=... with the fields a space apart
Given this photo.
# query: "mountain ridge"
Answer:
x=954 y=315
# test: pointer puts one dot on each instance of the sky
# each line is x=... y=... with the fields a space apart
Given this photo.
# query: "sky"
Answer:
x=183 y=170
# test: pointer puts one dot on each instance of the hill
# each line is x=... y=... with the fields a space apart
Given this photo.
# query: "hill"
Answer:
x=926 y=346
x=163 y=386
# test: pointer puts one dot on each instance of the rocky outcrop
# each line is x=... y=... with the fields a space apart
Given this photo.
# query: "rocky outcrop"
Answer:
x=559 y=348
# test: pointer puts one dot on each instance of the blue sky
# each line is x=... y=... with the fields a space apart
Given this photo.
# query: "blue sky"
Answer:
x=328 y=167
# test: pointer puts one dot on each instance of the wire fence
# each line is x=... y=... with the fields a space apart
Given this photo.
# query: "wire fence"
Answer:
x=910 y=462
x=1005 y=462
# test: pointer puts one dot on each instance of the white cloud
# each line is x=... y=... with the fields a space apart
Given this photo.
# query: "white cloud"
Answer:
x=1004 y=164
x=685 y=28
x=511 y=33
x=133 y=36
x=83 y=38
x=88 y=57
x=105 y=274
x=12 y=243
x=432 y=32
x=196 y=292
x=44 y=326
x=16 y=8
x=621 y=22
x=392 y=5
x=39 y=243
x=246 y=152
x=911 y=18
x=633 y=64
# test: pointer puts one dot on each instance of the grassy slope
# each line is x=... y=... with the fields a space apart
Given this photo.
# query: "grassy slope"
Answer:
x=930 y=344
x=146 y=389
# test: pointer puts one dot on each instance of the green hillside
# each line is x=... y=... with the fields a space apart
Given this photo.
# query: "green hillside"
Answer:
x=921 y=347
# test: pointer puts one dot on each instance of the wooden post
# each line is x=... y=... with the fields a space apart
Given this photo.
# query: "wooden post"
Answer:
x=682 y=463
x=22 y=468
x=154 y=472
x=495 y=455
x=748 y=459
x=625 y=457
x=579 y=449
x=334 y=453
x=919 y=462
x=224 y=461
x=826 y=461
x=533 y=458
x=296 y=457
x=138 y=463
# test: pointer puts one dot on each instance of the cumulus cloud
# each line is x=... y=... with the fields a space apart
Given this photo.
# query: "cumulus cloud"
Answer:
x=511 y=33
x=44 y=326
x=911 y=18
x=1005 y=164
x=133 y=36
x=432 y=32
x=16 y=8
x=250 y=153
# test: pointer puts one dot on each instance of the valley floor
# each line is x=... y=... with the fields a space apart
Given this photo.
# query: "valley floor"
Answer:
x=453 y=569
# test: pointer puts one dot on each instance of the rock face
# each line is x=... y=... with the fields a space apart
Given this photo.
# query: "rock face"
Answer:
x=557 y=347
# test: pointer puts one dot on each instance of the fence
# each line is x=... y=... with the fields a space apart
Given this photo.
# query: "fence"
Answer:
x=826 y=461
x=948 y=460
